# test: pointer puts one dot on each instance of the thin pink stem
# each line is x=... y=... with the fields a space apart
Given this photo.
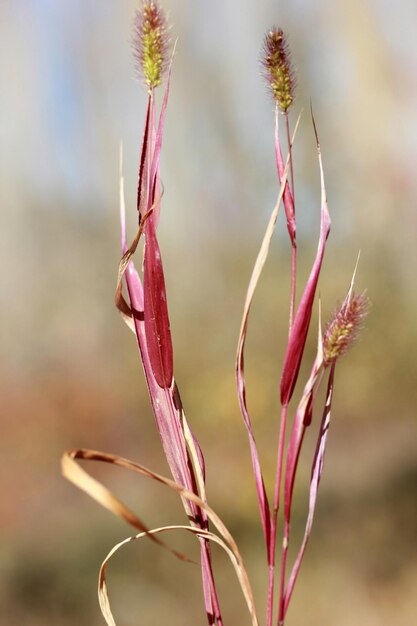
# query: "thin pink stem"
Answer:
x=281 y=603
x=270 y=598
x=289 y=142
x=206 y=567
x=283 y=591
x=294 y=246
x=293 y=284
x=274 y=521
x=285 y=543
x=296 y=569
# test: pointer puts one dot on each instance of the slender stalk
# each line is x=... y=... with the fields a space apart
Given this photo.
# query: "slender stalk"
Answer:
x=293 y=284
x=270 y=598
x=206 y=566
x=283 y=599
x=294 y=245
x=274 y=521
x=281 y=602
x=187 y=479
x=289 y=142
x=285 y=544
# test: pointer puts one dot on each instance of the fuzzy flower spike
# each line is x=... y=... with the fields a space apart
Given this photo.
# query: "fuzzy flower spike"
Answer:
x=151 y=43
x=276 y=60
x=344 y=327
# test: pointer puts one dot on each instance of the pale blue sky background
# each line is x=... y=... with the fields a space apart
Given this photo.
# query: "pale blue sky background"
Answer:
x=69 y=94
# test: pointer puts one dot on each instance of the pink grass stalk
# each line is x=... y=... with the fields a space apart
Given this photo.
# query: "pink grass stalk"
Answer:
x=339 y=334
x=148 y=302
x=145 y=310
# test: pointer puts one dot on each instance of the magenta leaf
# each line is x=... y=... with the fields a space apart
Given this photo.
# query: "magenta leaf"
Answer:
x=316 y=473
x=156 y=157
x=301 y=421
x=156 y=318
x=156 y=355
x=256 y=465
x=166 y=415
x=142 y=193
x=240 y=359
x=299 y=331
x=288 y=200
x=157 y=328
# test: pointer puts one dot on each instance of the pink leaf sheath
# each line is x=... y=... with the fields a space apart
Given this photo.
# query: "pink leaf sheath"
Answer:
x=167 y=411
x=288 y=200
x=166 y=415
x=240 y=360
x=299 y=331
x=154 y=185
x=316 y=473
x=151 y=324
x=142 y=193
x=157 y=327
x=240 y=368
x=301 y=421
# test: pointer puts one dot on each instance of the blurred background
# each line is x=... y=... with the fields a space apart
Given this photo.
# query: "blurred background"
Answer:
x=70 y=375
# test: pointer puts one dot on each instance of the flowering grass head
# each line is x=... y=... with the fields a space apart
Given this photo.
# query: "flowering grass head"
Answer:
x=344 y=327
x=151 y=43
x=278 y=70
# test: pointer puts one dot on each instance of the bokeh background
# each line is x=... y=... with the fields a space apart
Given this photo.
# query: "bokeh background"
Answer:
x=69 y=370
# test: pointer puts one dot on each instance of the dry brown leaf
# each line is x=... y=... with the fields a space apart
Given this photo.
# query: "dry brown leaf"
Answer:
x=72 y=471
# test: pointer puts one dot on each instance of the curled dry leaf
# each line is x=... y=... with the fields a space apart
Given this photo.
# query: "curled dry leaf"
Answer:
x=102 y=583
x=71 y=471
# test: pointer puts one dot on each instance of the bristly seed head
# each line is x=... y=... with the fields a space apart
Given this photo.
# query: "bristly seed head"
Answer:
x=276 y=61
x=344 y=327
x=151 y=42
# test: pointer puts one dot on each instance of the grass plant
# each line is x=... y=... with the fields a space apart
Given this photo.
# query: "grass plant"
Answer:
x=142 y=302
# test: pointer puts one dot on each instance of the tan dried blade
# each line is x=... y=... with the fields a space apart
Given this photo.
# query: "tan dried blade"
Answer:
x=98 y=492
x=68 y=464
x=102 y=583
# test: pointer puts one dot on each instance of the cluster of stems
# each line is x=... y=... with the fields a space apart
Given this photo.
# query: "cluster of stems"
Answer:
x=338 y=337
x=145 y=310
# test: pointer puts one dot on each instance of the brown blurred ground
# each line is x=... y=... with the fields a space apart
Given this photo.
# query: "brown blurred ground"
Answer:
x=69 y=371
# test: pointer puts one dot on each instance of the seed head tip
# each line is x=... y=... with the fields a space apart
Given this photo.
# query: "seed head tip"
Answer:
x=151 y=42
x=344 y=326
x=278 y=70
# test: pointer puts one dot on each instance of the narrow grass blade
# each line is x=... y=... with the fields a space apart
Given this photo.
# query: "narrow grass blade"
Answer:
x=240 y=357
x=147 y=315
x=302 y=418
x=142 y=193
x=156 y=156
x=288 y=200
x=299 y=331
x=170 y=421
x=169 y=417
x=156 y=318
x=166 y=413
x=316 y=473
